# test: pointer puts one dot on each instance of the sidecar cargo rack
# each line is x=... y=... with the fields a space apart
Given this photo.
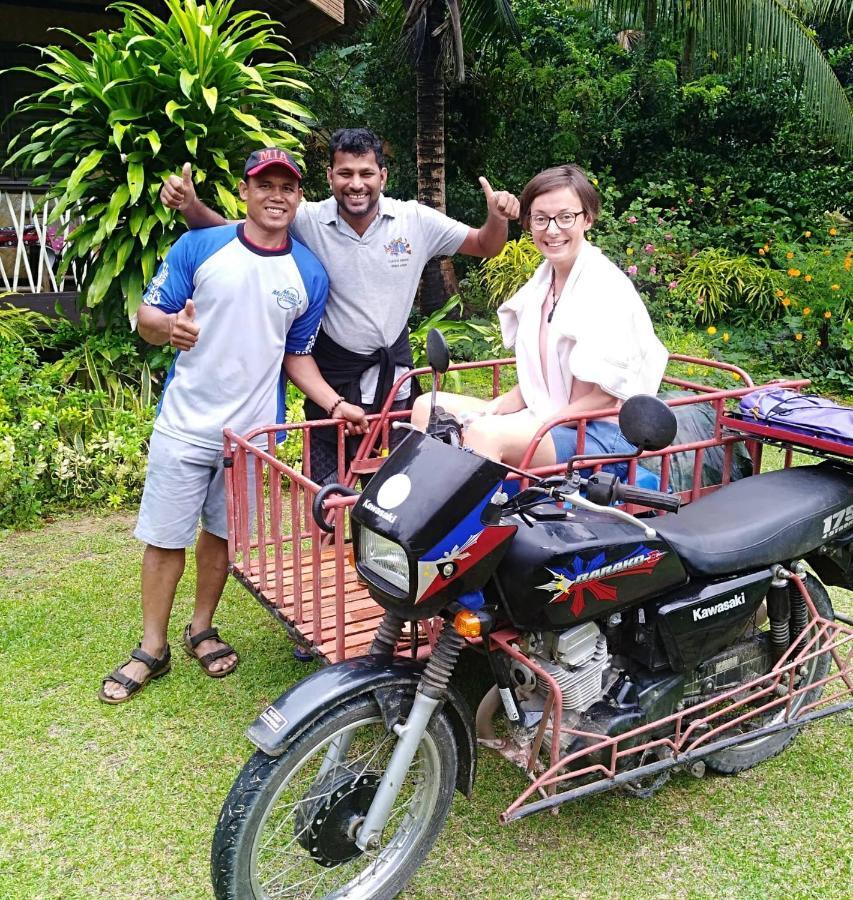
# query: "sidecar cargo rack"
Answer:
x=799 y=438
x=306 y=578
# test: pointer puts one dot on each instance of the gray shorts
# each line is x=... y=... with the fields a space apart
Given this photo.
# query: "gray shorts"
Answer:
x=184 y=483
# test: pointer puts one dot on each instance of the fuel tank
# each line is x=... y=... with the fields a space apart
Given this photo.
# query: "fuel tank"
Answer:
x=558 y=573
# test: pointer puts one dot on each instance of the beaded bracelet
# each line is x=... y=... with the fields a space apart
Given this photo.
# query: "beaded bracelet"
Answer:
x=335 y=405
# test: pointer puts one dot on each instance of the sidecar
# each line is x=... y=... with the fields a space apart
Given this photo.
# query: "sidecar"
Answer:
x=306 y=578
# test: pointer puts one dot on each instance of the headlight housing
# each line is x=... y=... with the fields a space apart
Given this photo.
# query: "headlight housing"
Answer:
x=384 y=558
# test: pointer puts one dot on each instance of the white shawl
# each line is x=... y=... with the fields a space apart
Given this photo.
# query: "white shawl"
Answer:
x=601 y=333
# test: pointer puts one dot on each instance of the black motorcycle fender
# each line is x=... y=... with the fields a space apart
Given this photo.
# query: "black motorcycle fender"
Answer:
x=389 y=678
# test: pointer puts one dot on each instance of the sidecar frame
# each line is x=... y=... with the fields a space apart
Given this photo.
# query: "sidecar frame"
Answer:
x=276 y=550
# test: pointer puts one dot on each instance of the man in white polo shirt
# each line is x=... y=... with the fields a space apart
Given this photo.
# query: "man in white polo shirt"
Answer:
x=374 y=249
x=238 y=302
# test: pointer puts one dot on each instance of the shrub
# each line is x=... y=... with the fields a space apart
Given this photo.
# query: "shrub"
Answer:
x=505 y=273
x=128 y=107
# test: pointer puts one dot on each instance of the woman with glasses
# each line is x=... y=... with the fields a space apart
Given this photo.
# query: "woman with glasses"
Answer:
x=583 y=339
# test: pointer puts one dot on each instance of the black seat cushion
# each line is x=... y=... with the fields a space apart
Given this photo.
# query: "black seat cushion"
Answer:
x=760 y=520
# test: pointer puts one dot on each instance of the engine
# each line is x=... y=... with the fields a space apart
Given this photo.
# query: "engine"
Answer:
x=576 y=659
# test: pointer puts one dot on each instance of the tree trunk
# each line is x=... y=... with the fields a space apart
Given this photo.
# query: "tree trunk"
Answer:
x=430 y=155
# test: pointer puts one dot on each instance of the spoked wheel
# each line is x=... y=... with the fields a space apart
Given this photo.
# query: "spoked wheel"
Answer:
x=289 y=825
x=751 y=753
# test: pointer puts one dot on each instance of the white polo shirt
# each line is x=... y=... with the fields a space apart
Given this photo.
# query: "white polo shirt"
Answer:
x=373 y=278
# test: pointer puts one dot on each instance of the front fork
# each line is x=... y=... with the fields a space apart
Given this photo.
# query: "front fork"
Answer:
x=429 y=695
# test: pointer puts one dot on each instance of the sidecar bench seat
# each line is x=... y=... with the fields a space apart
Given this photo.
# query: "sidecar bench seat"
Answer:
x=758 y=521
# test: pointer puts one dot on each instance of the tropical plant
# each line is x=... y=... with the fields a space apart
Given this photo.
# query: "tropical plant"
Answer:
x=20 y=324
x=505 y=273
x=127 y=107
x=766 y=37
x=434 y=32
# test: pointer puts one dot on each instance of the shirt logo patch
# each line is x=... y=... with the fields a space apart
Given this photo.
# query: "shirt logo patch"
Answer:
x=398 y=247
x=152 y=295
x=287 y=298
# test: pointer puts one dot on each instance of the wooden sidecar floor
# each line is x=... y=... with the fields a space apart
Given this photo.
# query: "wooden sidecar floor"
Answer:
x=360 y=614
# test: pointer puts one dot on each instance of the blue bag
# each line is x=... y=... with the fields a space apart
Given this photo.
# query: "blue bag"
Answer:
x=803 y=413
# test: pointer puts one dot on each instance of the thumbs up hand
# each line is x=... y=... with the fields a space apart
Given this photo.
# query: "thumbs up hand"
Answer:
x=183 y=331
x=502 y=204
x=178 y=191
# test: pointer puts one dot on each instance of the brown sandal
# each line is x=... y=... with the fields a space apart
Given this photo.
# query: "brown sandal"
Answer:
x=192 y=641
x=156 y=668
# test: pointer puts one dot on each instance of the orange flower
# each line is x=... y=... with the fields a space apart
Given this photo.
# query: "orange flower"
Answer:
x=807 y=234
x=798 y=336
x=806 y=310
x=847 y=263
x=827 y=315
x=789 y=255
x=807 y=278
x=786 y=301
x=835 y=287
x=833 y=231
x=794 y=273
x=780 y=292
x=761 y=251
x=766 y=247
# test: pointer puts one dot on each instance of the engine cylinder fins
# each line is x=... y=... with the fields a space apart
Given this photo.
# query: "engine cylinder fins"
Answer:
x=581 y=685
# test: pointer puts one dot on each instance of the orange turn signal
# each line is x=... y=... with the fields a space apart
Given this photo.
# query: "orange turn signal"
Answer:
x=467 y=623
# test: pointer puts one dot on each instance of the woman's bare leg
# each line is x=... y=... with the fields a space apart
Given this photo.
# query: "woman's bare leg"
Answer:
x=450 y=403
x=506 y=438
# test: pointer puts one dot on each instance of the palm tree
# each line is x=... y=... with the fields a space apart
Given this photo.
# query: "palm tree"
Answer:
x=767 y=37
x=437 y=33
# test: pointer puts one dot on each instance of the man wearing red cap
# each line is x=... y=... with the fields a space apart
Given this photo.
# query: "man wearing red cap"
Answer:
x=242 y=305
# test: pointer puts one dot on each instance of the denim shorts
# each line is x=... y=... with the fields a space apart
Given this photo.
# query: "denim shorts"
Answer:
x=184 y=483
x=601 y=438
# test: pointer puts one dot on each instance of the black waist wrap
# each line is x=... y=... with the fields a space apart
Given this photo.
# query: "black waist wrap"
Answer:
x=343 y=369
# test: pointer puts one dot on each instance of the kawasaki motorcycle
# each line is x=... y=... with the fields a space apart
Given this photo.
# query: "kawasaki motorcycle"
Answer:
x=621 y=648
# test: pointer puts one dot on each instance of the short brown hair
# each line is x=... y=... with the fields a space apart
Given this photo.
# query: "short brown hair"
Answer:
x=567 y=176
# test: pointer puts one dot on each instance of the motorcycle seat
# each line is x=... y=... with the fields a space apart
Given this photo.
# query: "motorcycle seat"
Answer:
x=758 y=521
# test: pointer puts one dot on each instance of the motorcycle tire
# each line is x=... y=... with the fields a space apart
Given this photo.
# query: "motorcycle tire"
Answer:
x=745 y=756
x=287 y=826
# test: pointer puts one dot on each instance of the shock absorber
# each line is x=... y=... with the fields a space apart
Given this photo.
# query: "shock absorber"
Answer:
x=387 y=635
x=779 y=613
x=799 y=610
x=441 y=662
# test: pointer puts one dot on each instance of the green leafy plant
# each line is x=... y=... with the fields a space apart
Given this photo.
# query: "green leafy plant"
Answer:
x=714 y=282
x=126 y=108
x=505 y=273
x=21 y=325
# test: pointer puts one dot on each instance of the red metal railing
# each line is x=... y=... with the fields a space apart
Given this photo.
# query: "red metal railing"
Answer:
x=304 y=577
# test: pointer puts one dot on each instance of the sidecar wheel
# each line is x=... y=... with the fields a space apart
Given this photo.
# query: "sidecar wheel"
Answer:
x=288 y=825
x=751 y=753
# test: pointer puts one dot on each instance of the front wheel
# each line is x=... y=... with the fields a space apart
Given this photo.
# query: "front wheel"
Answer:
x=288 y=826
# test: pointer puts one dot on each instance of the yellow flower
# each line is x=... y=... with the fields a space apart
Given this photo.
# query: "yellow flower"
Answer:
x=711 y=329
x=630 y=251
x=595 y=181
x=761 y=251
x=766 y=247
x=690 y=370
x=818 y=342
x=798 y=336
x=780 y=292
x=789 y=255
x=807 y=234
x=833 y=231
x=807 y=278
x=827 y=315
x=806 y=310
x=847 y=263
x=794 y=273
x=786 y=301
x=835 y=287
x=826 y=252
x=725 y=337
x=735 y=376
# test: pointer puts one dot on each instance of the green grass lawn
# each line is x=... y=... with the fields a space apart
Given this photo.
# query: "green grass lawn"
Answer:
x=121 y=802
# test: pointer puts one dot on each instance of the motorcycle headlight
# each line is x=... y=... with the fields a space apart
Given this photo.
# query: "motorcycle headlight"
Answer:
x=385 y=558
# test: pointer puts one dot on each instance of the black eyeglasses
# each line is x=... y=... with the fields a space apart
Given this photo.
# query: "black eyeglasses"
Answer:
x=564 y=220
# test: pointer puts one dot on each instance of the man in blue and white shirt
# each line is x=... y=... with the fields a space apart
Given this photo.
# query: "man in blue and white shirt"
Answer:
x=242 y=304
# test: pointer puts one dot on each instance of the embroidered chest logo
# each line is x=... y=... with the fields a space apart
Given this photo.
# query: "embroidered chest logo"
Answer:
x=287 y=298
x=398 y=247
x=593 y=576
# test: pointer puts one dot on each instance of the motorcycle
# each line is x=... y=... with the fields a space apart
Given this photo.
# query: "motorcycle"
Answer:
x=621 y=648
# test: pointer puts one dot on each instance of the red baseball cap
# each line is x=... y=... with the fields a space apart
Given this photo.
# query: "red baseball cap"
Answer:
x=270 y=156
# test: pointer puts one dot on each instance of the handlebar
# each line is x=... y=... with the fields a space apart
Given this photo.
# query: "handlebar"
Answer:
x=320 y=499
x=630 y=493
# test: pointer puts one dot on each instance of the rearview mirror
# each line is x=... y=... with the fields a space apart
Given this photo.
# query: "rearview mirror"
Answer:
x=438 y=355
x=648 y=423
